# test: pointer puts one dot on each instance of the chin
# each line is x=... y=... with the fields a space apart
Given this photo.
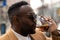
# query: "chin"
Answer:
x=32 y=32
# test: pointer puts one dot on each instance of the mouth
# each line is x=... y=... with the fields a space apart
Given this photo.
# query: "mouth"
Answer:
x=34 y=26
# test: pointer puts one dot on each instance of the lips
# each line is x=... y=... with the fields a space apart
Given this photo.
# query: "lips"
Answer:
x=34 y=26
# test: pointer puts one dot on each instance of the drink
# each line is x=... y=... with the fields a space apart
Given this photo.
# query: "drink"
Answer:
x=45 y=26
x=44 y=23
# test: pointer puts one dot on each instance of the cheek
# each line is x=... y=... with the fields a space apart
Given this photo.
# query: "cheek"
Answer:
x=27 y=28
x=28 y=22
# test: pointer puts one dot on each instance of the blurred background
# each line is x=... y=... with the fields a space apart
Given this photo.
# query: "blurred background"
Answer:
x=41 y=7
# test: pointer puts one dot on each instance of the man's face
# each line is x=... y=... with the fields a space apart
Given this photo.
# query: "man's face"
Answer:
x=27 y=23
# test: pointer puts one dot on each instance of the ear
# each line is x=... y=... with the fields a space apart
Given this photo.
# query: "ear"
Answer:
x=14 y=17
x=14 y=20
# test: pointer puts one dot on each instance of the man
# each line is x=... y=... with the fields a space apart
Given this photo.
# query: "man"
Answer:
x=23 y=23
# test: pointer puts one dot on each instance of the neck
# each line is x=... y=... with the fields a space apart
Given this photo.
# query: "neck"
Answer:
x=21 y=33
x=24 y=35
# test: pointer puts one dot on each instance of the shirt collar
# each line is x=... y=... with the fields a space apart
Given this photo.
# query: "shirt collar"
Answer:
x=20 y=37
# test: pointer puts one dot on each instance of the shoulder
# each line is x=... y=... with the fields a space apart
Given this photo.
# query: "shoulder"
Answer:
x=4 y=37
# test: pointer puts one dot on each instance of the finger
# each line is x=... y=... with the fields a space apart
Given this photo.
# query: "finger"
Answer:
x=46 y=18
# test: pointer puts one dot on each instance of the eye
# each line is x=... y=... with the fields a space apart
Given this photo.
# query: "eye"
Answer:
x=32 y=16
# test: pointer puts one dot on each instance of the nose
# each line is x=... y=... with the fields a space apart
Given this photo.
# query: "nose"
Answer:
x=34 y=26
x=34 y=16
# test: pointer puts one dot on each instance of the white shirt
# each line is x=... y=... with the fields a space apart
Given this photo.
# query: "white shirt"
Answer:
x=20 y=37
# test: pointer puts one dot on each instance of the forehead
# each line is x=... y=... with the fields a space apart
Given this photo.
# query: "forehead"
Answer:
x=25 y=9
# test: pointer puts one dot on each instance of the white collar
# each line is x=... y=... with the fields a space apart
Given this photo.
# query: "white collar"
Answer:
x=20 y=37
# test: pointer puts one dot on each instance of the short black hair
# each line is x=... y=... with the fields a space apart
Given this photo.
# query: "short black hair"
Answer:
x=14 y=9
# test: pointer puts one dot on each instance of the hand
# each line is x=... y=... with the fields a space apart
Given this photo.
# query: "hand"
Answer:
x=53 y=25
